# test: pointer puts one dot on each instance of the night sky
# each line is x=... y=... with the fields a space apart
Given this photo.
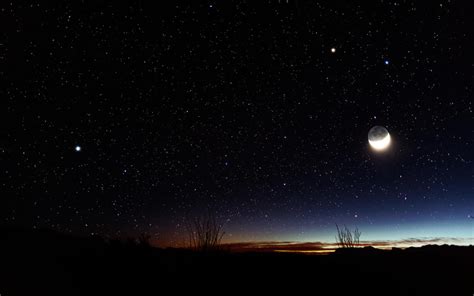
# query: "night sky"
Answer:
x=121 y=119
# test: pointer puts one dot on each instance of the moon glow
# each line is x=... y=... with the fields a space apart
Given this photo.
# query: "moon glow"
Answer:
x=379 y=138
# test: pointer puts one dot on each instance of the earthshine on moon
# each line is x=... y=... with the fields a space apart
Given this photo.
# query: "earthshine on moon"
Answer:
x=379 y=138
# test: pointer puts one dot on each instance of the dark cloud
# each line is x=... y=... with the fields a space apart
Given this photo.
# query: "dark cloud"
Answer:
x=289 y=246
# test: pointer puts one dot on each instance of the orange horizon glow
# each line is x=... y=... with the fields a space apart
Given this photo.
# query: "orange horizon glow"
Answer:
x=326 y=248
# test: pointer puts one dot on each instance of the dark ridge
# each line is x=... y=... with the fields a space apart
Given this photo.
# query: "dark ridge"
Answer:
x=43 y=262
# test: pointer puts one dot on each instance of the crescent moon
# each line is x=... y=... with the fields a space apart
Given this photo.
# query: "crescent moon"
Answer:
x=381 y=144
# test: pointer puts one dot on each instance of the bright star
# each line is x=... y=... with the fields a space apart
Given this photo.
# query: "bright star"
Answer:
x=386 y=62
x=78 y=148
x=333 y=50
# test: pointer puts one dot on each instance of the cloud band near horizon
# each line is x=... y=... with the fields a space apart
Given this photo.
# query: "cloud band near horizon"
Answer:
x=321 y=246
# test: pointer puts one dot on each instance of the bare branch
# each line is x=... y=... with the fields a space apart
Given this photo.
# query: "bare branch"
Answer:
x=345 y=238
x=204 y=233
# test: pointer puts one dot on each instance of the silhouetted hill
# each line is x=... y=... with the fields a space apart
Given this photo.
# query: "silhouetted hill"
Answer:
x=45 y=262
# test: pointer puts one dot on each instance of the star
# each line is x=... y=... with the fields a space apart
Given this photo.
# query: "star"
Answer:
x=233 y=138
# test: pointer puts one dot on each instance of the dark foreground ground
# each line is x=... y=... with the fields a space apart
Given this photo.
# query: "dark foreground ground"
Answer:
x=48 y=263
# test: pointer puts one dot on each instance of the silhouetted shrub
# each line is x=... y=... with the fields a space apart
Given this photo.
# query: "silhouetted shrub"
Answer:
x=143 y=241
x=204 y=233
x=345 y=238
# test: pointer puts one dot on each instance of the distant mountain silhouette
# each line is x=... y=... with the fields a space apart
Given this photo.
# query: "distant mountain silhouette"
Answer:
x=43 y=262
